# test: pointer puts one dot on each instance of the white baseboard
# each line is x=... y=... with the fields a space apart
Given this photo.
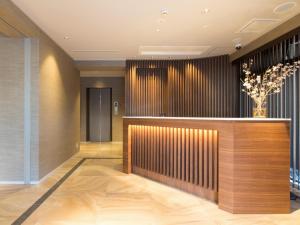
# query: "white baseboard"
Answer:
x=34 y=182
x=45 y=177
x=11 y=182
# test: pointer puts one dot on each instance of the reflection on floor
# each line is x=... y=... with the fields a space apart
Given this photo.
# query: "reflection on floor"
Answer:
x=99 y=193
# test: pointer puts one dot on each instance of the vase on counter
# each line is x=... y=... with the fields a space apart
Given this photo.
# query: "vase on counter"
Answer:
x=260 y=109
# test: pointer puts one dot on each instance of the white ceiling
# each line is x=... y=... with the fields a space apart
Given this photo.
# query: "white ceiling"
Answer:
x=118 y=29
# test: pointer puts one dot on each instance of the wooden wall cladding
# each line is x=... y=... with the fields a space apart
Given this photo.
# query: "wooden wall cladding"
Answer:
x=207 y=87
x=151 y=91
x=180 y=157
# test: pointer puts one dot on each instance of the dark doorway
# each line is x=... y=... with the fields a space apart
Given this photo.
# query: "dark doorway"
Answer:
x=99 y=114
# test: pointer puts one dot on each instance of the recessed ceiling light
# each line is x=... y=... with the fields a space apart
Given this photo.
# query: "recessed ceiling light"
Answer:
x=66 y=37
x=164 y=12
x=157 y=30
x=205 y=11
x=284 y=7
x=172 y=50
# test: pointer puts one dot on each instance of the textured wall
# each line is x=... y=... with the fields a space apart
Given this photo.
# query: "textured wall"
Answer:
x=205 y=87
x=11 y=109
x=59 y=128
x=34 y=109
x=55 y=97
x=117 y=85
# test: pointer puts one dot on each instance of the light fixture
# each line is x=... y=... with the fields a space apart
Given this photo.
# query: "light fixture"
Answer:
x=284 y=7
x=167 y=51
x=96 y=50
x=205 y=11
x=157 y=30
x=164 y=12
x=237 y=43
x=66 y=37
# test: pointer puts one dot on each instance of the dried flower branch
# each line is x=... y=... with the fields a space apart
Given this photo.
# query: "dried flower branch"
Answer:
x=258 y=87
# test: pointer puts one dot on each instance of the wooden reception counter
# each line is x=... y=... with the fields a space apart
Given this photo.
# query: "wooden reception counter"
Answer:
x=242 y=164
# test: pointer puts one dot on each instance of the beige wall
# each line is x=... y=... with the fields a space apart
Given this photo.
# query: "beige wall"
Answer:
x=12 y=89
x=59 y=107
x=55 y=97
x=117 y=84
x=11 y=109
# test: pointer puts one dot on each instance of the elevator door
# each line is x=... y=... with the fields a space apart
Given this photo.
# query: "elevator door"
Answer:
x=99 y=115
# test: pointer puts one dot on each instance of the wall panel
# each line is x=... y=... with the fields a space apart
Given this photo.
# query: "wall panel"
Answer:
x=205 y=87
x=54 y=91
x=11 y=110
x=286 y=104
x=185 y=158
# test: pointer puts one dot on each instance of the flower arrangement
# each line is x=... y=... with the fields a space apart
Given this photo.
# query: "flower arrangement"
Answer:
x=260 y=86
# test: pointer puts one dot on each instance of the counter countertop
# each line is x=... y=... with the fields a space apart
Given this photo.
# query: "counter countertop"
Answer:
x=212 y=118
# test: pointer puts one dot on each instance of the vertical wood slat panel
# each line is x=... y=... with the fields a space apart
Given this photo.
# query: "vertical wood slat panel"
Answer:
x=133 y=142
x=215 y=159
x=196 y=157
x=189 y=156
x=179 y=141
x=183 y=154
x=205 y=157
x=182 y=88
x=286 y=103
x=175 y=141
x=161 y=156
x=168 y=156
x=171 y=148
x=210 y=160
x=201 y=161
x=192 y=156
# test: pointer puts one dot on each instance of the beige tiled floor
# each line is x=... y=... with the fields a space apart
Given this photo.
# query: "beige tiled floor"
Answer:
x=99 y=193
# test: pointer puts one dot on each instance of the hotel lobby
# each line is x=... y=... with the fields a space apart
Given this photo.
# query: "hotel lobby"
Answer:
x=125 y=112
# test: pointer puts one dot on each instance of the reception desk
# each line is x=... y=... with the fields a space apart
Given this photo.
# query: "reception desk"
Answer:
x=242 y=164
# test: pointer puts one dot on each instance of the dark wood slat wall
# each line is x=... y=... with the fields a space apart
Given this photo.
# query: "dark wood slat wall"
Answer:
x=285 y=104
x=207 y=87
x=181 y=157
x=151 y=91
